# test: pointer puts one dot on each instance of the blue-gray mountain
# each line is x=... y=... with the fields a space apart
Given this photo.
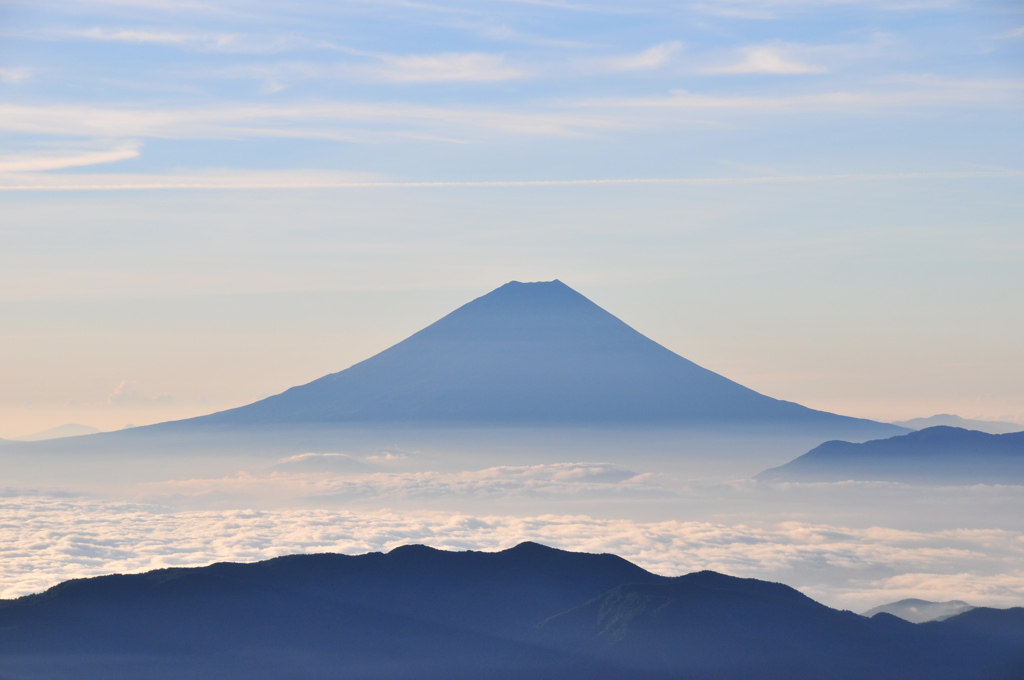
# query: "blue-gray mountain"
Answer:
x=527 y=612
x=531 y=354
x=919 y=611
x=990 y=426
x=945 y=455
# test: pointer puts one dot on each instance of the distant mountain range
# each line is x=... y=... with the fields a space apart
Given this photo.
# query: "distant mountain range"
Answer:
x=524 y=613
x=945 y=455
x=990 y=426
x=921 y=611
x=59 y=432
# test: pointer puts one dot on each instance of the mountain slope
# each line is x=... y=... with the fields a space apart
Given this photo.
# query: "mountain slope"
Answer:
x=947 y=455
x=711 y=625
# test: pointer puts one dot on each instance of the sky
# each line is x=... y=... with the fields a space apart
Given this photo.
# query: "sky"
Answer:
x=204 y=203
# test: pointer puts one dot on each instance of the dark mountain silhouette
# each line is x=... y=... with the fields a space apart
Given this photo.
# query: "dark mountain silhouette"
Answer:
x=947 y=455
x=919 y=611
x=526 y=612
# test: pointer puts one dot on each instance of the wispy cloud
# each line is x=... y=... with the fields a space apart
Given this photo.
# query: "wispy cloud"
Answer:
x=352 y=121
x=127 y=392
x=298 y=179
x=60 y=160
x=300 y=120
x=919 y=93
x=378 y=68
x=206 y=42
x=13 y=76
x=773 y=9
x=651 y=58
x=446 y=68
x=215 y=7
x=767 y=60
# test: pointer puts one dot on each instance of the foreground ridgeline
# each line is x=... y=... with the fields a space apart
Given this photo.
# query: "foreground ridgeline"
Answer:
x=936 y=455
x=523 y=613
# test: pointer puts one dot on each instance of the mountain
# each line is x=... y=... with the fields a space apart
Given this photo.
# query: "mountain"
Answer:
x=526 y=612
x=945 y=455
x=69 y=430
x=919 y=611
x=713 y=626
x=528 y=354
x=990 y=426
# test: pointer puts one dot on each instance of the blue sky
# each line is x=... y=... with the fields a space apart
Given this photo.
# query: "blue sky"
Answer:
x=206 y=202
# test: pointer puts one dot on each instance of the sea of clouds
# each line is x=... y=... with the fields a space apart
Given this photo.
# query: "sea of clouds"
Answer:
x=46 y=539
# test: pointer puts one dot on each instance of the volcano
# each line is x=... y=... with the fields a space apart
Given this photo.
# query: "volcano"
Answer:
x=528 y=354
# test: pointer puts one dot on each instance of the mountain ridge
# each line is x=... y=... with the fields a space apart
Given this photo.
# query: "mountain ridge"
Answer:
x=936 y=454
x=920 y=611
x=525 y=612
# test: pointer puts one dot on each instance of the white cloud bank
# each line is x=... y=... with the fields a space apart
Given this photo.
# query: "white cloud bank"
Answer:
x=45 y=540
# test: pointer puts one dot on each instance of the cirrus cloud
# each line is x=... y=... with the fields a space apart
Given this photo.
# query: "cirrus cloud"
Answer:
x=68 y=158
x=651 y=58
x=446 y=68
x=769 y=61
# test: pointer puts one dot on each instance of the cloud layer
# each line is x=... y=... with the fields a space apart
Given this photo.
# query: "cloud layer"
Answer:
x=48 y=539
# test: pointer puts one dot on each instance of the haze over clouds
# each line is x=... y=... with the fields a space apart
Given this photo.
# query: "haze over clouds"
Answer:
x=292 y=482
